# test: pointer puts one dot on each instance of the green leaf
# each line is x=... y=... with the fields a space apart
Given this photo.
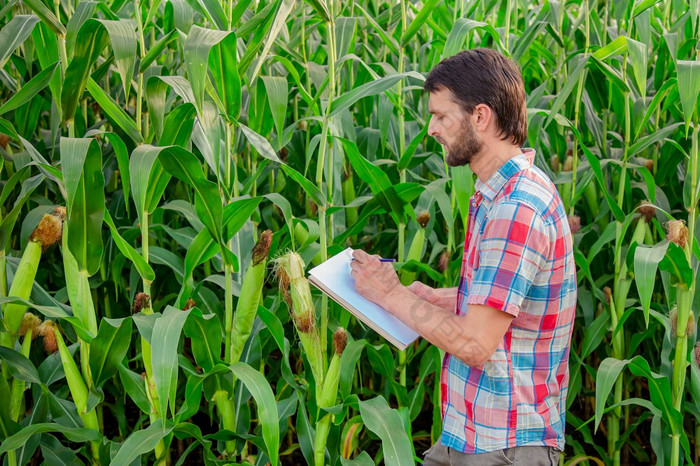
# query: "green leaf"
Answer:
x=256 y=384
x=608 y=372
x=425 y=12
x=8 y=222
x=321 y=8
x=646 y=261
x=141 y=442
x=148 y=179
x=164 y=354
x=389 y=41
x=29 y=90
x=278 y=98
x=285 y=7
x=197 y=48
x=114 y=111
x=205 y=333
x=386 y=423
x=14 y=34
x=368 y=89
x=639 y=57
x=38 y=7
x=616 y=47
x=108 y=348
x=688 y=87
x=92 y=39
x=122 y=39
x=20 y=367
x=71 y=433
x=594 y=334
x=134 y=386
x=676 y=264
x=223 y=63
x=407 y=156
x=311 y=189
x=81 y=160
x=459 y=33
x=260 y=144
x=156 y=50
x=577 y=74
x=202 y=248
x=185 y=166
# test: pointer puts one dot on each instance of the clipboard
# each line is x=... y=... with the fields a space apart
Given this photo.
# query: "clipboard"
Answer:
x=333 y=278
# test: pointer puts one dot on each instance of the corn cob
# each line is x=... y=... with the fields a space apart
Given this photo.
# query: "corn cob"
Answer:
x=224 y=406
x=329 y=393
x=45 y=235
x=296 y=292
x=251 y=291
x=77 y=387
x=29 y=323
x=415 y=251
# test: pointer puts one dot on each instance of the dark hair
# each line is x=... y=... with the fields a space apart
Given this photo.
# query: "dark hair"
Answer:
x=485 y=76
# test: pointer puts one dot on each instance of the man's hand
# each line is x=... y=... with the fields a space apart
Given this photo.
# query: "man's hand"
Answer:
x=374 y=280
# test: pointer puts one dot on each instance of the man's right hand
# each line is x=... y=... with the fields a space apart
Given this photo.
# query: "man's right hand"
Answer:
x=446 y=298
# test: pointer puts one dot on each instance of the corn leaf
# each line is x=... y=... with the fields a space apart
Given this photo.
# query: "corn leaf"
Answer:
x=386 y=423
x=14 y=34
x=460 y=32
x=256 y=384
x=156 y=50
x=83 y=12
x=114 y=111
x=185 y=166
x=20 y=367
x=646 y=262
x=260 y=144
x=197 y=48
x=285 y=7
x=92 y=39
x=141 y=442
x=368 y=89
x=81 y=160
x=321 y=8
x=148 y=179
x=425 y=12
x=73 y=434
x=8 y=222
x=166 y=332
x=108 y=348
x=223 y=63
x=389 y=41
x=122 y=39
x=205 y=333
x=38 y=7
x=277 y=98
x=29 y=90
x=688 y=88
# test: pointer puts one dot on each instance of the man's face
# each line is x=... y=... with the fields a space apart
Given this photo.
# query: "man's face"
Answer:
x=450 y=126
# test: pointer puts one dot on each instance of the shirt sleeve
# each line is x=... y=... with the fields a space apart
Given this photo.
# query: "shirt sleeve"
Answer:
x=513 y=249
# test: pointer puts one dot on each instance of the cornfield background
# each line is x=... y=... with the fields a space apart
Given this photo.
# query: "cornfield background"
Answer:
x=175 y=133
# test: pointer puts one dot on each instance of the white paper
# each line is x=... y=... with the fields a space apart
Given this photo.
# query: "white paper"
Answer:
x=335 y=275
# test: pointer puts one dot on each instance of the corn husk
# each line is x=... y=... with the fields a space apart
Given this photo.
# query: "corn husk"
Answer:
x=297 y=294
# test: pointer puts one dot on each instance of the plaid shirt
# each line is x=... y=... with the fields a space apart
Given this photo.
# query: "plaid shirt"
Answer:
x=517 y=258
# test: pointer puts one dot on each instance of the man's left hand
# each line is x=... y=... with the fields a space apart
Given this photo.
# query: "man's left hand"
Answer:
x=374 y=280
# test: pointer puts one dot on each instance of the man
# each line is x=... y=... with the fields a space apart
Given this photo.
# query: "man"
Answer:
x=506 y=329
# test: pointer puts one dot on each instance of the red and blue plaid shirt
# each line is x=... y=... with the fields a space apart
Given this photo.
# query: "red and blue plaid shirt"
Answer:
x=518 y=258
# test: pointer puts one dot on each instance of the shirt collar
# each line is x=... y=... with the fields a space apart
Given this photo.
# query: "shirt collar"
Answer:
x=490 y=188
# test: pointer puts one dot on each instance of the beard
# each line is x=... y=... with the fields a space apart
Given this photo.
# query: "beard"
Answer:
x=467 y=146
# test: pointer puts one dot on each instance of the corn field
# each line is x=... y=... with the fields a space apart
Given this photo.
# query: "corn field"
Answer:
x=193 y=158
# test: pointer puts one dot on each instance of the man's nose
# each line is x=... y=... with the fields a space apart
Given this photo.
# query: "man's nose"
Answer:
x=432 y=128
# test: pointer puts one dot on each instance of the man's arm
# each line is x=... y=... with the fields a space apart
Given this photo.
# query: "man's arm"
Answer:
x=472 y=338
x=445 y=298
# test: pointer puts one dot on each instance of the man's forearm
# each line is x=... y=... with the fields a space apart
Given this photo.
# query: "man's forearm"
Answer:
x=447 y=298
x=438 y=323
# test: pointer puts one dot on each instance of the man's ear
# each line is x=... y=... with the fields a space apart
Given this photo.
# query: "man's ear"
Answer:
x=481 y=117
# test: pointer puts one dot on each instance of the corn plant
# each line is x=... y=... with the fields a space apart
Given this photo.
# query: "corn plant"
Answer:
x=176 y=135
